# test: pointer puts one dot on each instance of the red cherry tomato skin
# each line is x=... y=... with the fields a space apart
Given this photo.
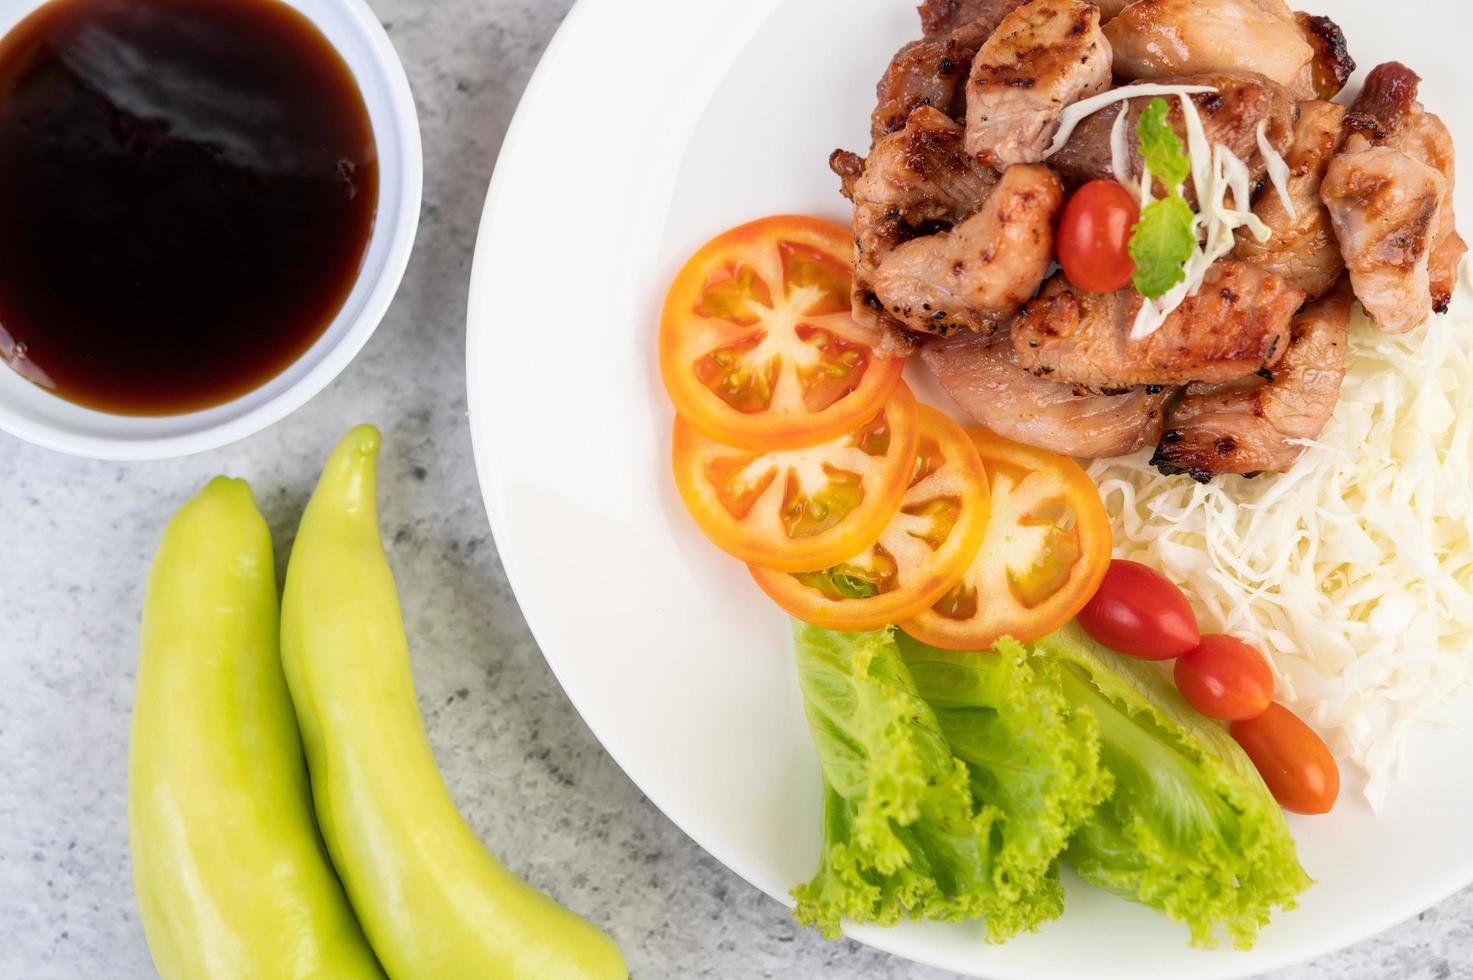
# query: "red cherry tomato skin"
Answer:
x=1294 y=762
x=1094 y=236
x=1139 y=612
x=1225 y=678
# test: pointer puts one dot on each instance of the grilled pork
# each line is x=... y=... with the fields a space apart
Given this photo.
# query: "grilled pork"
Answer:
x=1389 y=194
x=1042 y=57
x=1235 y=325
x=1302 y=247
x=914 y=182
x=1230 y=116
x=1249 y=426
x=977 y=274
x=1153 y=39
x=983 y=376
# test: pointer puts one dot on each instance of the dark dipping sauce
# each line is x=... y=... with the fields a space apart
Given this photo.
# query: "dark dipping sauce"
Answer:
x=187 y=189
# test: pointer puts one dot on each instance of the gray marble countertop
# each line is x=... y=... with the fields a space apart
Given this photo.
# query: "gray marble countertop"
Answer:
x=78 y=536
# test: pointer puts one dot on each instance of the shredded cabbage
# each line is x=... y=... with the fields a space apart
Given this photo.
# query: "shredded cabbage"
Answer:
x=1353 y=571
x=1075 y=113
x=1278 y=170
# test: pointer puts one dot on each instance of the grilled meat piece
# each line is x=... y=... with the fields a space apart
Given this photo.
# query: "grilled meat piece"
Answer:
x=929 y=72
x=977 y=274
x=1424 y=137
x=1153 y=39
x=1235 y=325
x=983 y=376
x=1389 y=193
x=1110 y=9
x=1042 y=57
x=1230 y=116
x=1384 y=207
x=933 y=70
x=1302 y=248
x=1387 y=99
x=915 y=182
x=1248 y=426
x=1331 y=66
x=946 y=16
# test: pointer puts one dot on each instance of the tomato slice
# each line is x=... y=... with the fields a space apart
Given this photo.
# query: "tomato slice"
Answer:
x=917 y=558
x=796 y=509
x=1046 y=549
x=757 y=347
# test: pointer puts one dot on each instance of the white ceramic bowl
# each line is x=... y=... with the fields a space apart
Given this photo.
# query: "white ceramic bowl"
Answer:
x=37 y=416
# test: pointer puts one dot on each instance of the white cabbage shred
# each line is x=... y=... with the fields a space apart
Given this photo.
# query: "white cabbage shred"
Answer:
x=1353 y=571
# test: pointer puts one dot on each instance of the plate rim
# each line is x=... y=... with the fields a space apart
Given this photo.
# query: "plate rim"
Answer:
x=480 y=339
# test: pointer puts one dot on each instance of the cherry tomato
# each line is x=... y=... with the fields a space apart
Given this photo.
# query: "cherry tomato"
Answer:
x=1225 y=678
x=1294 y=762
x=917 y=558
x=757 y=345
x=1094 y=232
x=797 y=509
x=1046 y=546
x=1139 y=612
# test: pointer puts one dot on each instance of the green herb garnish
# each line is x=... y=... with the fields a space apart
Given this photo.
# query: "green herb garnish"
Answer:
x=1163 y=239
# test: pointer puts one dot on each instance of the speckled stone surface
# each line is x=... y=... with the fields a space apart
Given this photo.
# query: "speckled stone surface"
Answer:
x=76 y=537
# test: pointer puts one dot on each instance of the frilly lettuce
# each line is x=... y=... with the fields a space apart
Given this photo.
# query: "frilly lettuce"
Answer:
x=1190 y=828
x=953 y=783
x=953 y=809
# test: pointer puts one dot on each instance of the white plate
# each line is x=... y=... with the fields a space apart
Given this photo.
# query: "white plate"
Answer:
x=648 y=128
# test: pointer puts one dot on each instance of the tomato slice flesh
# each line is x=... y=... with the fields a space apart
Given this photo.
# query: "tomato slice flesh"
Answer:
x=1046 y=548
x=758 y=347
x=916 y=558
x=737 y=294
x=730 y=374
x=808 y=268
x=799 y=509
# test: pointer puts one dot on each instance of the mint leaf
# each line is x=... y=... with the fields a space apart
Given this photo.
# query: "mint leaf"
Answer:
x=1160 y=149
x=1160 y=243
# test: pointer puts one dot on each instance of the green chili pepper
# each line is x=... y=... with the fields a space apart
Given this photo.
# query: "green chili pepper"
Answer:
x=231 y=875
x=432 y=899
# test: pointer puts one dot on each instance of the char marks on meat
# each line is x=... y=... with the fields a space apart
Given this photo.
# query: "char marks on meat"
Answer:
x=1230 y=116
x=932 y=71
x=1389 y=194
x=1249 y=426
x=1302 y=246
x=929 y=72
x=983 y=376
x=915 y=182
x=977 y=274
x=1331 y=66
x=1044 y=56
x=1384 y=208
x=1236 y=324
x=1154 y=39
x=1424 y=137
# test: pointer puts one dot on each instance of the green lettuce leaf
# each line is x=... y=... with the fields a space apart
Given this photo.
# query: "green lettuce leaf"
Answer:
x=1190 y=828
x=952 y=781
x=904 y=834
x=1029 y=752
